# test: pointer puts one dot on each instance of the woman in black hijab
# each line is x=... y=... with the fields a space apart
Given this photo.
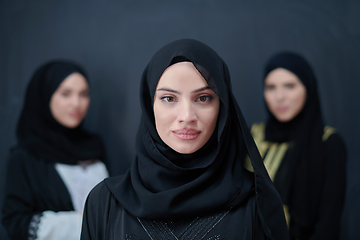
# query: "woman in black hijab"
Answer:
x=56 y=162
x=188 y=180
x=305 y=158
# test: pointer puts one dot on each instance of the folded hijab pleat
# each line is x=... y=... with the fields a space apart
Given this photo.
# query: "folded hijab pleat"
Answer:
x=40 y=133
x=164 y=184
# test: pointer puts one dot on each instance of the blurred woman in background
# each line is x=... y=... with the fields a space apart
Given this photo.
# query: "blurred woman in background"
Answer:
x=305 y=159
x=55 y=162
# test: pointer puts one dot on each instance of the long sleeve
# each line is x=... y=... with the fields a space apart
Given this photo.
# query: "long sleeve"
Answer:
x=40 y=198
x=18 y=203
x=332 y=201
x=32 y=187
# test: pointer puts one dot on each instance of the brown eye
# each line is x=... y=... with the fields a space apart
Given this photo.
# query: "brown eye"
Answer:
x=65 y=94
x=168 y=99
x=204 y=98
x=290 y=86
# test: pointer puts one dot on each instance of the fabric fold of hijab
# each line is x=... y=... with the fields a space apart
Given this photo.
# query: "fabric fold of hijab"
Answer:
x=40 y=133
x=300 y=176
x=163 y=184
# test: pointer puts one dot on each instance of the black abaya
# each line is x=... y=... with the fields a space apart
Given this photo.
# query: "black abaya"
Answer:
x=203 y=184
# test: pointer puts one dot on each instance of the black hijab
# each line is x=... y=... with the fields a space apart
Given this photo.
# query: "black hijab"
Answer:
x=159 y=186
x=38 y=131
x=299 y=178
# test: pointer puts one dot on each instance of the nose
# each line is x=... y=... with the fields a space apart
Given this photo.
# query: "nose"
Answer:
x=187 y=112
x=279 y=94
x=75 y=100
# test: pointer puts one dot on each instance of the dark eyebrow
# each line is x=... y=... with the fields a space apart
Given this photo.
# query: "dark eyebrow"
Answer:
x=65 y=89
x=201 y=89
x=70 y=89
x=168 y=90
x=177 y=92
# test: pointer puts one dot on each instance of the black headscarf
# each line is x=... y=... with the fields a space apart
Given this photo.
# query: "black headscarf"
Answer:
x=40 y=133
x=159 y=185
x=300 y=176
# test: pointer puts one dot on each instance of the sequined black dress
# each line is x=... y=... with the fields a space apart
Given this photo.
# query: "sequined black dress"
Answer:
x=107 y=219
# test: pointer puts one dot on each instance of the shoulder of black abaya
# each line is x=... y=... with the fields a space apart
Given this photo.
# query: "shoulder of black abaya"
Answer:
x=98 y=199
x=17 y=149
x=99 y=191
x=112 y=183
x=19 y=155
x=335 y=145
x=104 y=188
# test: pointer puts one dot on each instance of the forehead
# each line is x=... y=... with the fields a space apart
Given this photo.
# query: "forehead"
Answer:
x=182 y=74
x=74 y=80
x=281 y=75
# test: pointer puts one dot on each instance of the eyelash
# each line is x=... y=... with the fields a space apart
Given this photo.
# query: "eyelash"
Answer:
x=288 y=86
x=167 y=99
x=208 y=98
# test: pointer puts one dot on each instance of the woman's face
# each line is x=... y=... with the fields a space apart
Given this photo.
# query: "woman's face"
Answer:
x=185 y=108
x=285 y=94
x=70 y=101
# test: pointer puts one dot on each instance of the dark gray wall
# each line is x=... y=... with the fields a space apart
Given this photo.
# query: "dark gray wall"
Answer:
x=115 y=39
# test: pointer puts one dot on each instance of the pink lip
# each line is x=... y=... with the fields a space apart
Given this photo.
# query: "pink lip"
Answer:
x=281 y=109
x=75 y=114
x=186 y=133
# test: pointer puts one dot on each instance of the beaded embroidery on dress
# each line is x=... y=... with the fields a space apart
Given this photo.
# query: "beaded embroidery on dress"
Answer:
x=188 y=229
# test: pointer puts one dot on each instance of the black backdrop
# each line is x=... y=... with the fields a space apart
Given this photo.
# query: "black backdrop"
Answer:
x=115 y=39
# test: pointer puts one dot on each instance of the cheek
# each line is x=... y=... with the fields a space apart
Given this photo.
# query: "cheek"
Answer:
x=299 y=99
x=209 y=117
x=57 y=105
x=268 y=99
x=161 y=117
x=85 y=104
x=58 y=109
x=165 y=117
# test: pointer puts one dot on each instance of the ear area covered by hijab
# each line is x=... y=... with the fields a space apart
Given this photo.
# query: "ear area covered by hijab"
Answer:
x=158 y=186
x=40 y=134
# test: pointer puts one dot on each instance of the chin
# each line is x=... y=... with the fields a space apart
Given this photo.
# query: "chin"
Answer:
x=285 y=116
x=186 y=150
x=190 y=148
x=71 y=125
x=284 y=119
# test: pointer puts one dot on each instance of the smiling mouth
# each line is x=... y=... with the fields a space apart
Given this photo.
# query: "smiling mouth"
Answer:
x=186 y=134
